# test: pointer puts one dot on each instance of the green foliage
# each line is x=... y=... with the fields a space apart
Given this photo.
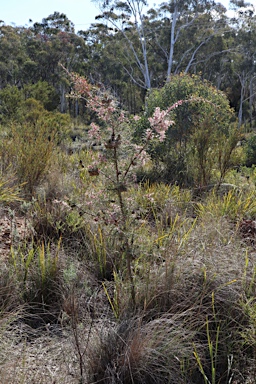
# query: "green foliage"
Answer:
x=43 y=92
x=211 y=153
x=53 y=24
x=249 y=334
x=250 y=150
x=28 y=144
x=213 y=345
x=10 y=101
x=54 y=219
x=194 y=144
x=99 y=252
x=24 y=260
x=15 y=102
x=203 y=97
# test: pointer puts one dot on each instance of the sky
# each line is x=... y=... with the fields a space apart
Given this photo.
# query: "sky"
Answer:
x=80 y=12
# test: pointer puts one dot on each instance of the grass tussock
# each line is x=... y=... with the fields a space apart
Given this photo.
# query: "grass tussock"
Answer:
x=141 y=352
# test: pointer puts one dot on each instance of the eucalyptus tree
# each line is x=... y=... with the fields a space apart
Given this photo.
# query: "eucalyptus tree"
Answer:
x=55 y=42
x=165 y=39
x=244 y=59
x=188 y=27
x=109 y=64
x=127 y=18
x=214 y=58
x=54 y=23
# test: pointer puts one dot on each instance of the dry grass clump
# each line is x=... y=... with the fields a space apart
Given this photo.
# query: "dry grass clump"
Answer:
x=139 y=352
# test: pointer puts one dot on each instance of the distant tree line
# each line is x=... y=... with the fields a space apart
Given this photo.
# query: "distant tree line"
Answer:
x=132 y=50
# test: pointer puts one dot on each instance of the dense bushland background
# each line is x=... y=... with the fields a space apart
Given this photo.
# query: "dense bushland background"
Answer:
x=128 y=216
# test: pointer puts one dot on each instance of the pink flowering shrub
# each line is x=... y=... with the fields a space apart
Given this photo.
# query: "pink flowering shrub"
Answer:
x=114 y=169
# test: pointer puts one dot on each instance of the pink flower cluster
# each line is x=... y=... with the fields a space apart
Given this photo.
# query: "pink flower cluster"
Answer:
x=104 y=110
x=160 y=122
x=94 y=131
x=105 y=107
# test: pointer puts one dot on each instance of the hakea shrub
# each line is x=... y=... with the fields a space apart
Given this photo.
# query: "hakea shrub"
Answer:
x=116 y=166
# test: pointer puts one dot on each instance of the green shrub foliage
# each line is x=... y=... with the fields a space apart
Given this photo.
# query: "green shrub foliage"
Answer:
x=202 y=137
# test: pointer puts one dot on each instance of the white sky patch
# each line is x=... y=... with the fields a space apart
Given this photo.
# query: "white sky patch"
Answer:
x=81 y=12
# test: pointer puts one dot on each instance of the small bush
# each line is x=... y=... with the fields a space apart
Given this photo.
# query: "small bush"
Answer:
x=37 y=270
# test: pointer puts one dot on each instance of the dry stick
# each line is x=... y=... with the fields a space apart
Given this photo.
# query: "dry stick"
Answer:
x=78 y=347
x=134 y=157
x=127 y=248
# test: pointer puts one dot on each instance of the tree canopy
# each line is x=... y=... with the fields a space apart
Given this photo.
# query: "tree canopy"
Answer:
x=132 y=49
